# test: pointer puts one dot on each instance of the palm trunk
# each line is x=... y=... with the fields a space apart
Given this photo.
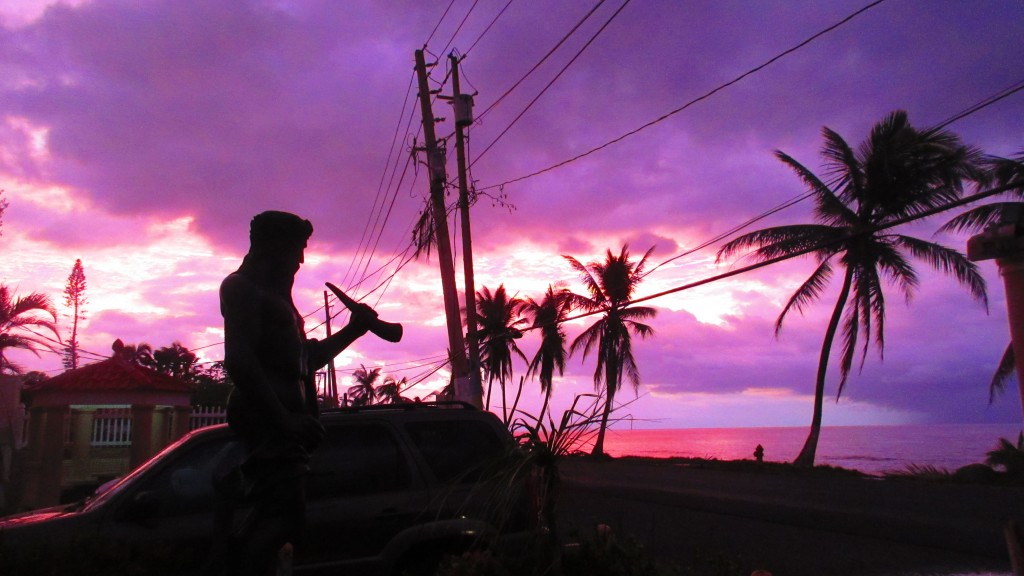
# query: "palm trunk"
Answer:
x=544 y=406
x=806 y=457
x=519 y=396
x=504 y=401
x=599 y=444
x=611 y=385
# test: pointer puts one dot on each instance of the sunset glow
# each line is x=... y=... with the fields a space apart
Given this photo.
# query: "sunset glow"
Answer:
x=146 y=154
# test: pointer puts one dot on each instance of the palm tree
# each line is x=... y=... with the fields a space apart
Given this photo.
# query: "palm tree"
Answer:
x=365 y=389
x=19 y=317
x=547 y=316
x=999 y=173
x=140 y=354
x=611 y=285
x=390 y=392
x=897 y=172
x=177 y=361
x=498 y=319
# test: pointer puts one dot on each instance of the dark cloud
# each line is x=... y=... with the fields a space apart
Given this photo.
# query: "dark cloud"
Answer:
x=219 y=109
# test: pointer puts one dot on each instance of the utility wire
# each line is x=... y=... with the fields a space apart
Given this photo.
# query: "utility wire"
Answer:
x=459 y=27
x=553 y=80
x=791 y=202
x=565 y=37
x=805 y=251
x=380 y=186
x=694 y=101
x=438 y=25
x=1004 y=93
x=488 y=28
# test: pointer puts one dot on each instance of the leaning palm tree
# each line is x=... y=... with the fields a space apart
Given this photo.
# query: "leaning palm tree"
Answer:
x=898 y=172
x=498 y=317
x=610 y=285
x=365 y=388
x=999 y=173
x=547 y=316
x=20 y=317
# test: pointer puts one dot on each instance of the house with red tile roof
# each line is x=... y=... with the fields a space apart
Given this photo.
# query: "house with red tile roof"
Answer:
x=95 y=423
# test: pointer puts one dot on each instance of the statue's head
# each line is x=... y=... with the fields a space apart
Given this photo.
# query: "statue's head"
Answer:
x=279 y=236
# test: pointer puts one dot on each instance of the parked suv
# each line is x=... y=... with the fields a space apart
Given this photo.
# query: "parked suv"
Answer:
x=392 y=489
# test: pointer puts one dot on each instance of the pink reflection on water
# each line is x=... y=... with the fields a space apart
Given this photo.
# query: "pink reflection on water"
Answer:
x=780 y=444
x=871 y=449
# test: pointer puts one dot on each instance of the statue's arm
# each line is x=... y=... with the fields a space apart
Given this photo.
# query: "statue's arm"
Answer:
x=320 y=352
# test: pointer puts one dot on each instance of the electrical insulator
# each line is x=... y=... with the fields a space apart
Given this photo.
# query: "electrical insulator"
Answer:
x=463 y=109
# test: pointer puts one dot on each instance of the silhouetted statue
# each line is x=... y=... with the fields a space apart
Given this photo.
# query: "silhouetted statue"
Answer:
x=273 y=406
x=759 y=453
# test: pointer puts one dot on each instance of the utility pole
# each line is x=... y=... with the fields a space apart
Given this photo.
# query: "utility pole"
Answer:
x=435 y=165
x=463 y=104
x=1003 y=241
x=332 y=378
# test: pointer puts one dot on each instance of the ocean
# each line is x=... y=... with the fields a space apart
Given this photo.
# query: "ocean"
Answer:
x=870 y=449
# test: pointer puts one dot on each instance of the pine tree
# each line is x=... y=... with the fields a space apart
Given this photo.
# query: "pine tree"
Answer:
x=74 y=297
x=3 y=208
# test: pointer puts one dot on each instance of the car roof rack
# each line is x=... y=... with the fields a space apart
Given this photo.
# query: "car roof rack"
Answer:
x=402 y=406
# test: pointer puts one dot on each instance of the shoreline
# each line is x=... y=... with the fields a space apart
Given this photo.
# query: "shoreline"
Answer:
x=872 y=449
x=794 y=521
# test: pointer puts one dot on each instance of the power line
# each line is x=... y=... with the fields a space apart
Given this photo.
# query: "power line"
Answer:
x=387 y=167
x=805 y=251
x=438 y=25
x=459 y=27
x=1004 y=93
x=553 y=80
x=695 y=100
x=488 y=28
x=778 y=208
x=564 y=38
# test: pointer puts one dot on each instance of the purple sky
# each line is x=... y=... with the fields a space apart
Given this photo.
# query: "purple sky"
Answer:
x=141 y=137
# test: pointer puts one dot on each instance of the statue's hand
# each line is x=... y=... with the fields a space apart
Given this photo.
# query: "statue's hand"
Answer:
x=362 y=316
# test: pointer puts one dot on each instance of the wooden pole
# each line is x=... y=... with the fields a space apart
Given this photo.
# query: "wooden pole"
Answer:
x=435 y=164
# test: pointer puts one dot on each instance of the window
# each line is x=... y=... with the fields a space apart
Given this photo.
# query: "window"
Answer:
x=456 y=449
x=357 y=460
x=186 y=486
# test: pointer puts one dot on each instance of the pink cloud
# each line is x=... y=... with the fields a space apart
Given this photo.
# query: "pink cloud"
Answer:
x=218 y=110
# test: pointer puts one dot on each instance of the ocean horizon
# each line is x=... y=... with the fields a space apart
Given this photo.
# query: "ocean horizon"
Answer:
x=869 y=449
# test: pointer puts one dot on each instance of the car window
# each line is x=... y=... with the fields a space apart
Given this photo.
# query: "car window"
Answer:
x=357 y=460
x=456 y=449
x=186 y=486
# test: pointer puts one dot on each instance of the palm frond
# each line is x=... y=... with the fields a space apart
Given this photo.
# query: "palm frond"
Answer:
x=950 y=262
x=894 y=265
x=851 y=327
x=981 y=217
x=809 y=291
x=872 y=311
x=1006 y=171
x=1005 y=371
x=780 y=241
x=842 y=166
x=830 y=208
x=589 y=282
